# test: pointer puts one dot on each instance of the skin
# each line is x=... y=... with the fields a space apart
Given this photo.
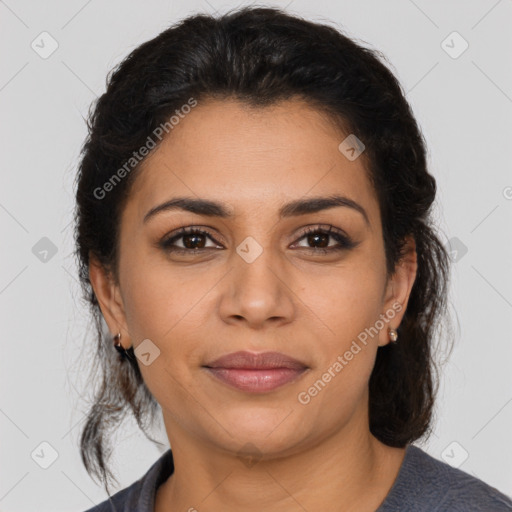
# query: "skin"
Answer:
x=311 y=306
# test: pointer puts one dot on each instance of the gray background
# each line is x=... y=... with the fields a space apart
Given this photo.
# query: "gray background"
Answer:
x=464 y=106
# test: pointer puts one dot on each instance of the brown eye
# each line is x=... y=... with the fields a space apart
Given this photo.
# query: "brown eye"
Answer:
x=193 y=240
x=322 y=238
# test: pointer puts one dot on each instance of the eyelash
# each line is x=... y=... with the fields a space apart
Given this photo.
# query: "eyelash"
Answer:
x=345 y=242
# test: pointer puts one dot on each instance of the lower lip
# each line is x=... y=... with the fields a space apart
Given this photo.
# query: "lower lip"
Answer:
x=256 y=381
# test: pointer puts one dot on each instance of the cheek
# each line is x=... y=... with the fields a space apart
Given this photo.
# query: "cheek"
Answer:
x=345 y=355
x=346 y=307
x=157 y=299
x=345 y=302
x=159 y=306
x=165 y=306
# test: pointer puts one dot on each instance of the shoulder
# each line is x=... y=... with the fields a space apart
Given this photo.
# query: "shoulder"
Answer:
x=427 y=484
x=140 y=495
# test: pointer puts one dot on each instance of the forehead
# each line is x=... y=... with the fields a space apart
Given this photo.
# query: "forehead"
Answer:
x=251 y=158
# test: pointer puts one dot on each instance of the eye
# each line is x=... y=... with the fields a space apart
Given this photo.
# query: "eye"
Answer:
x=193 y=240
x=323 y=236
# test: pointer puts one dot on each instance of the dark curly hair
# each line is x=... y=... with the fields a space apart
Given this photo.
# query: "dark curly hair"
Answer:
x=262 y=56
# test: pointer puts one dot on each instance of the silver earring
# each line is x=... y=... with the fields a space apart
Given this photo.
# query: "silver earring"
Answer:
x=393 y=335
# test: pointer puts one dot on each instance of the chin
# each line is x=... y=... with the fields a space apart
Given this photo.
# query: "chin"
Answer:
x=268 y=432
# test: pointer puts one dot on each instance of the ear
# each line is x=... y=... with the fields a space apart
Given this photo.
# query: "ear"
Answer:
x=109 y=297
x=398 y=290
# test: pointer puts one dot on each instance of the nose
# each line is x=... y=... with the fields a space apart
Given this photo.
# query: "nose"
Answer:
x=257 y=292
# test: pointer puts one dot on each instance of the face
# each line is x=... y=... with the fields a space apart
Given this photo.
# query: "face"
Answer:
x=263 y=277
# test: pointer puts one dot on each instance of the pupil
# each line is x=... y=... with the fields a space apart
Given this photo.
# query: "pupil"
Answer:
x=316 y=236
x=187 y=242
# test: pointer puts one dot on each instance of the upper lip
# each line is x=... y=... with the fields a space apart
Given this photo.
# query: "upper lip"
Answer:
x=256 y=361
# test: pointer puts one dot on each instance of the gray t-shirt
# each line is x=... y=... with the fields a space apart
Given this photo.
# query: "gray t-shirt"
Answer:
x=423 y=484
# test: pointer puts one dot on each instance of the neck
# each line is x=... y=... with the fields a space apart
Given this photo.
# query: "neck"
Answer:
x=349 y=470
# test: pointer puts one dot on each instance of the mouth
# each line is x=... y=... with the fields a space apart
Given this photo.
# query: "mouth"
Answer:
x=256 y=372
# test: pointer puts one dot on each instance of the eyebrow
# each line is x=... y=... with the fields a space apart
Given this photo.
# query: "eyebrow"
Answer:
x=295 y=208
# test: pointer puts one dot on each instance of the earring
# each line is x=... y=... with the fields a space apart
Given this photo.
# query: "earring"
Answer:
x=393 y=335
x=117 y=344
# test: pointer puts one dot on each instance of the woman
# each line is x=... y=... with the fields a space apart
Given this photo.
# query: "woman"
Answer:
x=253 y=225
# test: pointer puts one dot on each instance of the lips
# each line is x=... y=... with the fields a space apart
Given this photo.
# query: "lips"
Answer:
x=256 y=372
